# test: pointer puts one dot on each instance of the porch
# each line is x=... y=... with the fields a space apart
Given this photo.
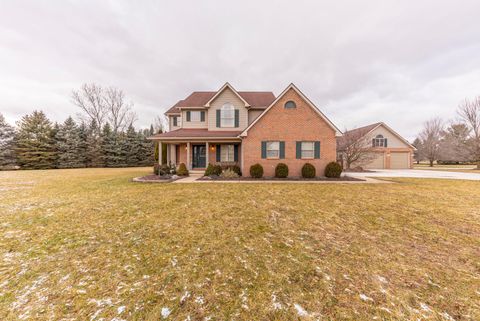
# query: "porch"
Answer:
x=196 y=155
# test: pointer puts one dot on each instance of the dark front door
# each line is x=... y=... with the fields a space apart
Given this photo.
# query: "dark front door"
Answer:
x=199 y=156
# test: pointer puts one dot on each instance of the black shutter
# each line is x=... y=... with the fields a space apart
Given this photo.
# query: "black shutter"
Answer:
x=282 y=150
x=218 y=117
x=235 y=153
x=218 y=152
x=316 y=150
x=385 y=142
x=264 y=149
x=299 y=150
x=202 y=116
x=237 y=118
x=188 y=115
x=175 y=121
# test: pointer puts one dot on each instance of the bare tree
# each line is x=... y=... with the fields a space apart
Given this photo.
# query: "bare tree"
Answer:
x=469 y=111
x=161 y=124
x=119 y=112
x=90 y=99
x=100 y=105
x=430 y=137
x=356 y=147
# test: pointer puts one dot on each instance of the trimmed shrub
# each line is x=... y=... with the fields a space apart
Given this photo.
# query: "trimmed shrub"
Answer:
x=281 y=170
x=333 y=169
x=234 y=168
x=228 y=173
x=256 y=171
x=308 y=171
x=209 y=170
x=182 y=170
x=217 y=170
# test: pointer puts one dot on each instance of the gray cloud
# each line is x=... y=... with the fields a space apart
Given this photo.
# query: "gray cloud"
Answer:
x=401 y=62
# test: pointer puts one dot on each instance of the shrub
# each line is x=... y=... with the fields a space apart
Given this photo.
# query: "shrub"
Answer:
x=156 y=169
x=256 y=171
x=209 y=170
x=217 y=170
x=234 y=168
x=229 y=174
x=281 y=170
x=308 y=171
x=182 y=170
x=333 y=169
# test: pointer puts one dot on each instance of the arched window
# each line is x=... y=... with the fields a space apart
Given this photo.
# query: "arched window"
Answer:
x=290 y=104
x=227 y=115
x=379 y=141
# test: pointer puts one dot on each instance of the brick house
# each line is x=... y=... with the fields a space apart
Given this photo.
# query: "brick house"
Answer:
x=229 y=127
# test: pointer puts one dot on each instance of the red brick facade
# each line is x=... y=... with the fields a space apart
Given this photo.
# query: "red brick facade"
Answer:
x=302 y=123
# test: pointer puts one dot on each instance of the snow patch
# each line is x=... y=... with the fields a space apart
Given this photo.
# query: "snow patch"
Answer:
x=365 y=298
x=165 y=312
x=447 y=316
x=185 y=296
x=300 y=311
x=425 y=307
x=121 y=309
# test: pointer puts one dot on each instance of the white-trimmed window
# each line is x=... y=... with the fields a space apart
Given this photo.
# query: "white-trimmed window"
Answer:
x=379 y=141
x=308 y=149
x=273 y=149
x=227 y=153
x=227 y=115
x=195 y=115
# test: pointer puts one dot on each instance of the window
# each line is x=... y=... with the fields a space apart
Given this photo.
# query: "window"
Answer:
x=379 y=141
x=227 y=115
x=175 y=121
x=195 y=116
x=273 y=149
x=227 y=153
x=290 y=105
x=308 y=149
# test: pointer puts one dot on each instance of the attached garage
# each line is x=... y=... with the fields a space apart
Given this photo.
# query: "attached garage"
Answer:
x=399 y=160
x=377 y=161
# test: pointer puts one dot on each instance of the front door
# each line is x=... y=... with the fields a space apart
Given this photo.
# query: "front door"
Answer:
x=199 y=156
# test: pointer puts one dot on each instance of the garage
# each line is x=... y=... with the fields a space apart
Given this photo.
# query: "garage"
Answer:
x=377 y=162
x=400 y=160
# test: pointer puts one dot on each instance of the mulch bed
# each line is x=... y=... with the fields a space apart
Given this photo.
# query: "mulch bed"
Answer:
x=344 y=179
x=152 y=178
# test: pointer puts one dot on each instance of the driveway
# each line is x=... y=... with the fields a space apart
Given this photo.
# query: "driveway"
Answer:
x=416 y=173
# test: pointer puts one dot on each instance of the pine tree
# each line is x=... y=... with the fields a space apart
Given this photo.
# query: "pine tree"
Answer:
x=94 y=145
x=146 y=154
x=82 y=144
x=35 y=146
x=113 y=153
x=7 y=145
x=68 y=145
x=132 y=146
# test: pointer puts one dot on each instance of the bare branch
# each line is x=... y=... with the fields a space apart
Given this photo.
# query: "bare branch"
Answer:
x=90 y=100
x=430 y=137
x=469 y=112
x=356 y=147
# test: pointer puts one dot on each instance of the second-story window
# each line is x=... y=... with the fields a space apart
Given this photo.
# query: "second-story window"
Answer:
x=195 y=115
x=227 y=115
x=379 y=141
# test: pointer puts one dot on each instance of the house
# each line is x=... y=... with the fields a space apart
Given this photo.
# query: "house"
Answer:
x=383 y=148
x=229 y=127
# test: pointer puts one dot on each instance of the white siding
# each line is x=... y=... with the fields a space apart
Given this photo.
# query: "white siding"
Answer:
x=170 y=123
x=227 y=96
x=392 y=140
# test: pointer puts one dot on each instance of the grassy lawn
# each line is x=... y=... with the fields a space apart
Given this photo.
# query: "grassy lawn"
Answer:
x=89 y=244
x=449 y=168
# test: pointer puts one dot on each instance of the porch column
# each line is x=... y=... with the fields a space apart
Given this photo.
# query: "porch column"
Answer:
x=189 y=165
x=206 y=154
x=173 y=154
x=159 y=153
x=169 y=154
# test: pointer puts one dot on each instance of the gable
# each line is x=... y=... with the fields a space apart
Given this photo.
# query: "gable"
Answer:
x=394 y=139
x=304 y=106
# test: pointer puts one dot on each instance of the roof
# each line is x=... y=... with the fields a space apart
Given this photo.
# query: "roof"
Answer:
x=255 y=99
x=365 y=130
x=309 y=102
x=197 y=133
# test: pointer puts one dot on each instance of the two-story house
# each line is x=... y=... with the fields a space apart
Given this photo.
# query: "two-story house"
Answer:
x=247 y=127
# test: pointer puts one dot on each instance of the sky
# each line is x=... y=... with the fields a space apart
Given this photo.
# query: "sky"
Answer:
x=400 y=62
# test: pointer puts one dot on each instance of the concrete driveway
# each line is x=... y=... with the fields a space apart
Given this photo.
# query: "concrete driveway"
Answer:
x=417 y=173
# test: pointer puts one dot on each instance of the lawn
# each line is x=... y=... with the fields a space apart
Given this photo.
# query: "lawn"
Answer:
x=91 y=245
x=449 y=168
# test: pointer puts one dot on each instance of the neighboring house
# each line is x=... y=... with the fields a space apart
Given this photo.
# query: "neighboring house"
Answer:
x=384 y=148
x=244 y=128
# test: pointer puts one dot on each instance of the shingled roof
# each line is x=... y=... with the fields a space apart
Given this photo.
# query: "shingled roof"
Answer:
x=197 y=133
x=357 y=132
x=256 y=99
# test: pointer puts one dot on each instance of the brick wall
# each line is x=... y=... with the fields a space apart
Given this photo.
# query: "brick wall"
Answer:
x=289 y=125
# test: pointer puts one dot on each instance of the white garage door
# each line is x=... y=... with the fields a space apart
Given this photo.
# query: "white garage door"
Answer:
x=399 y=160
x=376 y=162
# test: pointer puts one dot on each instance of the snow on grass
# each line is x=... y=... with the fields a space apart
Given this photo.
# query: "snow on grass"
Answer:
x=365 y=298
x=300 y=311
x=275 y=304
x=185 y=296
x=165 y=312
x=121 y=309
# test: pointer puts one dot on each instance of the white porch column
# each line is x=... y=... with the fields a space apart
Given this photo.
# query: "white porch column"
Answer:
x=160 y=153
x=173 y=154
x=206 y=154
x=189 y=163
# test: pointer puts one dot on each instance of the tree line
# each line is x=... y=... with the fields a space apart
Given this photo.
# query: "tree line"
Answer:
x=104 y=135
x=455 y=143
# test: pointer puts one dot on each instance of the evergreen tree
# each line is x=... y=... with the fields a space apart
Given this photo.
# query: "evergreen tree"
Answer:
x=146 y=147
x=82 y=144
x=68 y=145
x=7 y=145
x=93 y=148
x=113 y=153
x=35 y=146
x=132 y=147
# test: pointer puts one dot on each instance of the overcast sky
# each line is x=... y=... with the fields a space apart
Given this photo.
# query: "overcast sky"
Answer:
x=401 y=62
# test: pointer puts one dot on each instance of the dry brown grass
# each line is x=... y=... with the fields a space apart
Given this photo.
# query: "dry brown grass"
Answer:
x=89 y=244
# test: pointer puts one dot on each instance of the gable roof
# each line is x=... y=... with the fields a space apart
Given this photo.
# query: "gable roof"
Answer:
x=227 y=85
x=254 y=99
x=370 y=128
x=292 y=86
